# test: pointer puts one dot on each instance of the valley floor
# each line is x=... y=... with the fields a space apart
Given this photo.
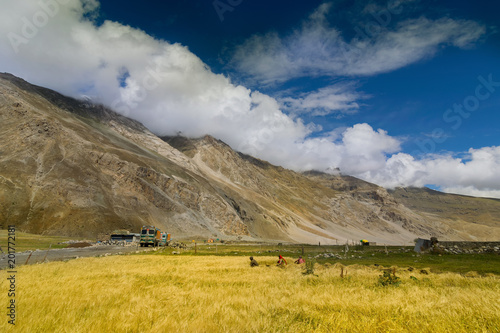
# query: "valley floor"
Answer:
x=188 y=293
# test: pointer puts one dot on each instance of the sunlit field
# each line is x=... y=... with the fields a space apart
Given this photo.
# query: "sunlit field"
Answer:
x=165 y=293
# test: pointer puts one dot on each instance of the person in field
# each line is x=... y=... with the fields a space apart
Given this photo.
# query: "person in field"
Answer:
x=300 y=260
x=253 y=262
x=281 y=261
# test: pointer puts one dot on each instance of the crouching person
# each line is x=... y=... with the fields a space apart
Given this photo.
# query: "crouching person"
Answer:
x=253 y=262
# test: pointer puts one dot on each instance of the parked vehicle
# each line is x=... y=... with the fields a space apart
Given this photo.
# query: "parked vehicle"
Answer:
x=165 y=239
x=150 y=235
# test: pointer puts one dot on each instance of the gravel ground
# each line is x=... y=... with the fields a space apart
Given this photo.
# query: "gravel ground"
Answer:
x=38 y=256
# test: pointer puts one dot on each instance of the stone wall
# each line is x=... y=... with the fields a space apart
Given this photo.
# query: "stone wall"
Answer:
x=469 y=247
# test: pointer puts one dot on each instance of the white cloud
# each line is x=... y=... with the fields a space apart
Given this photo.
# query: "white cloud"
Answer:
x=337 y=99
x=169 y=89
x=317 y=49
x=472 y=191
x=474 y=175
x=366 y=149
x=359 y=148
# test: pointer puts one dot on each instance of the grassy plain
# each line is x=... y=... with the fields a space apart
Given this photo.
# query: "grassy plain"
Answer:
x=26 y=241
x=206 y=293
x=362 y=255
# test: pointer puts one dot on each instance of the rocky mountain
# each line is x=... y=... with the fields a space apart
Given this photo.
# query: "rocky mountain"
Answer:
x=72 y=168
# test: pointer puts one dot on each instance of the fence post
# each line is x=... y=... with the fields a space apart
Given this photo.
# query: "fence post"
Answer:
x=47 y=253
x=28 y=258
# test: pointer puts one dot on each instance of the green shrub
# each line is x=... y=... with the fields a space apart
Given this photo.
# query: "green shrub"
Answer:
x=389 y=279
x=309 y=266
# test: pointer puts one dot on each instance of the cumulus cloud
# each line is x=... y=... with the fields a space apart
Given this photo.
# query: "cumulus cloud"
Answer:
x=474 y=174
x=357 y=149
x=318 y=49
x=57 y=44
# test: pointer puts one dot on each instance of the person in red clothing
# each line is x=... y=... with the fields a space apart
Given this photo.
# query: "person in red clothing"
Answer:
x=282 y=261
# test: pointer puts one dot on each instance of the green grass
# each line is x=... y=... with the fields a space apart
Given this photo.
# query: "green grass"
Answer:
x=361 y=255
x=459 y=263
x=25 y=241
x=368 y=256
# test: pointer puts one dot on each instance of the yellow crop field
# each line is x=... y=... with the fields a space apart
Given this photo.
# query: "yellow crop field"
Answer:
x=154 y=293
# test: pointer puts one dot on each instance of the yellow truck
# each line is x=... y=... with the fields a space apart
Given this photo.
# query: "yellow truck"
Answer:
x=151 y=235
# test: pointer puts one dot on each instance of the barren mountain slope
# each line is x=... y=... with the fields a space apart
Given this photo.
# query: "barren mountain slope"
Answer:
x=478 y=217
x=313 y=206
x=69 y=167
x=66 y=169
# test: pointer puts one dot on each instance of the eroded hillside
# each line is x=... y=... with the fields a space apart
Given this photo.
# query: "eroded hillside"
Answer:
x=69 y=167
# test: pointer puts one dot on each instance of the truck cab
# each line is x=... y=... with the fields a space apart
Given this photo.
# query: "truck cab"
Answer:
x=150 y=235
x=165 y=239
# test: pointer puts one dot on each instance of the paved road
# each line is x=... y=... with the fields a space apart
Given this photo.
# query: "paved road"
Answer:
x=38 y=256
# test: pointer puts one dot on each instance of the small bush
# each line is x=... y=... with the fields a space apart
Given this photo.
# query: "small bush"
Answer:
x=389 y=279
x=309 y=266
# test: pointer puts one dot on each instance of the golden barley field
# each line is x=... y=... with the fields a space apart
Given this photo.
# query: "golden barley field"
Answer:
x=156 y=293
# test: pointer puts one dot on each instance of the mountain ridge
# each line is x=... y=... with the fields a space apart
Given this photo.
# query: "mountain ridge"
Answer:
x=73 y=168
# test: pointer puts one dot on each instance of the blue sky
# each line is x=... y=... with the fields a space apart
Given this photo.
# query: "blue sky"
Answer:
x=408 y=102
x=400 y=93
